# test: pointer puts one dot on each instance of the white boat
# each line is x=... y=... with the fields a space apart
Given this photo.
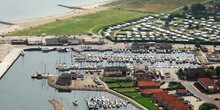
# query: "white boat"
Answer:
x=46 y=49
x=75 y=102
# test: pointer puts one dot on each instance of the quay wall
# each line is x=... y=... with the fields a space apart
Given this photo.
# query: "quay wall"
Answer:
x=9 y=60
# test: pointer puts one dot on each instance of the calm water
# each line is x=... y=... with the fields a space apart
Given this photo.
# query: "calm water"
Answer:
x=2 y=26
x=12 y=10
x=18 y=91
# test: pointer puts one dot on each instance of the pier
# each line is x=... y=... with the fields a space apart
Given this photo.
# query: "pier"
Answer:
x=8 y=61
x=70 y=7
x=5 y=22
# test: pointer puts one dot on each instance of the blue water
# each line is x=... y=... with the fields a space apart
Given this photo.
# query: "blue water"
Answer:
x=18 y=91
x=13 y=10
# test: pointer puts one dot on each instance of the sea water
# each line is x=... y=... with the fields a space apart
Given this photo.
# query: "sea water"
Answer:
x=13 y=10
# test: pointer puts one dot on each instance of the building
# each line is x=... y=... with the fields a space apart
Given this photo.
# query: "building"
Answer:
x=149 y=92
x=142 y=69
x=140 y=46
x=165 y=46
x=170 y=101
x=148 y=85
x=17 y=41
x=182 y=92
x=52 y=42
x=213 y=57
x=74 y=41
x=196 y=72
x=34 y=41
x=66 y=79
x=115 y=71
x=208 y=85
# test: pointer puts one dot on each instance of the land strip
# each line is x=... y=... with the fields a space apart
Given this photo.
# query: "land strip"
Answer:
x=57 y=104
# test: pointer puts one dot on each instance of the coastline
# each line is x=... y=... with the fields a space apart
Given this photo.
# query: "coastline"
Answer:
x=29 y=23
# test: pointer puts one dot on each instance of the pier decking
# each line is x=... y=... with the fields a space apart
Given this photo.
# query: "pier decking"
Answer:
x=9 y=60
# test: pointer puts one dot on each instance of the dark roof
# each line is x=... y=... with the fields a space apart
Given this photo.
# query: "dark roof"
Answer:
x=53 y=41
x=116 y=68
x=65 y=76
x=63 y=38
x=196 y=70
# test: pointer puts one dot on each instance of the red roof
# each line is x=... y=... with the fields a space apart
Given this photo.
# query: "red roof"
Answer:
x=208 y=82
x=170 y=99
x=182 y=91
x=144 y=78
x=158 y=94
x=176 y=103
x=210 y=5
x=148 y=84
x=150 y=91
x=182 y=107
x=218 y=82
x=166 y=96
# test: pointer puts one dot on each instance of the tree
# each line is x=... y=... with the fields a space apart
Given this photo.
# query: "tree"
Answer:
x=207 y=106
x=197 y=45
x=217 y=69
x=197 y=26
x=171 y=17
x=166 y=23
x=211 y=68
x=185 y=8
x=197 y=8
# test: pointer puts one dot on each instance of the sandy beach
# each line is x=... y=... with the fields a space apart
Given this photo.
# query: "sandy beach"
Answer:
x=26 y=24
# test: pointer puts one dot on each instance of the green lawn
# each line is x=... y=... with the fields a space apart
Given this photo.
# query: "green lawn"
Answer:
x=125 y=89
x=145 y=101
x=83 y=24
x=111 y=85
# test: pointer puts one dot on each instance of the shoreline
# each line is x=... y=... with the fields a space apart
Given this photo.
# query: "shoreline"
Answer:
x=29 y=23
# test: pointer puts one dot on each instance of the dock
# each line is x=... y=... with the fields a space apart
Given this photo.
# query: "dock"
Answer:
x=70 y=7
x=9 y=60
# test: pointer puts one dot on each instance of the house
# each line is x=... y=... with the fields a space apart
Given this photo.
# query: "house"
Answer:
x=63 y=39
x=213 y=57
x=34 y=41
x=15 y=41
x=142 y=69
x=196 y=72
x=182 y=92
x=157 y=95
x=116 y=71
x=204 y=48
x=139 y=46
x=165 y=46
x=148 y=85
x=208 y=85
x=66 y=79
x=178 y=105
x=149 y=92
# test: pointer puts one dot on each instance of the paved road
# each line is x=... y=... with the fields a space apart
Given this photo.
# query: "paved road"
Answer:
x=189 y=86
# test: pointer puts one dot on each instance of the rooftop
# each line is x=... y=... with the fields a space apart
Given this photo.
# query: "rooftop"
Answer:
x=150 y=91
x=181 y=91
x=208 y=82
x=148 y=83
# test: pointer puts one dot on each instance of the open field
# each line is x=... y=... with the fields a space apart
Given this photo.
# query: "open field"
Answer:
x=155 y=6
x=82 y=24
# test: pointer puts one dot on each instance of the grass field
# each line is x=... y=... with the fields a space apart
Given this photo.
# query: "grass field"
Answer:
x=152 y=5
x=83 y=24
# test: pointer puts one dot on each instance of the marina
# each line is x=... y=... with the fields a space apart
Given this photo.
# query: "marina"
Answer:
x=19 y=75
